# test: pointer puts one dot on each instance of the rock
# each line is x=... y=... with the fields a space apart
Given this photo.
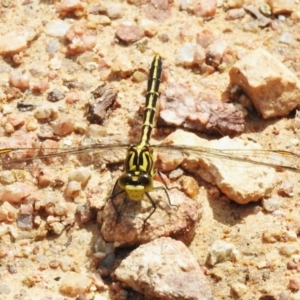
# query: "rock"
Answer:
x=186 y=106
x=221 y=251
x=16 y=192
x=239 y=289
x=234 y=14
x=129 y=34
x=294 y=284
x=16 y=40
x=273 y=88
x=129 y=229
x=240 y=181
x=215 y=52
x=190 y=54
x=57 y=28
x=271 y=204
x=74 y=284
x=164 y=269
x=282 y=6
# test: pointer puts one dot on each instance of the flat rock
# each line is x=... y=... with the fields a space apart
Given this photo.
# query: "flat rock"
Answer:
x=222 y=163
x=164 y=269
x=272 y=87
x=130 y=229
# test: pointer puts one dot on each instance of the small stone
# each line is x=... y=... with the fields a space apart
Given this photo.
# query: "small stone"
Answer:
x=74 y=284
x=129 y=34
x=81 y=175
x=288 y=250
x=239 y=289
x=57 y=28
x=190 y=54
x=294 y=284
x=63 y=126
x=164 y=269
x=16 y=192
x=272 y=235
x=221 y=251
x=56 y=227
x=271 y=204
x=282 y=6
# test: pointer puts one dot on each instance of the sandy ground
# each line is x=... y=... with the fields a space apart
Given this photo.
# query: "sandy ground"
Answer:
x=32 y=265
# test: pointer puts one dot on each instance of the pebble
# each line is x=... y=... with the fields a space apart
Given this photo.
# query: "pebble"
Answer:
x=74 y=284
x=288 y=250
x=129 y=34
x=114 y=10
x=221 y=251
x=286 y=38
x=52 y=46
x=205 y=8
x=81 y=175
x=75 y=7
x=8 y=213
x=19 y=80
x=215 y=52
x=44 y=112
x=16 y=120
x=294 y=284
x=271 y=204
x=25 y=221
x=56 y=227
x=234 y=14
x=80 y=39
x=40 y=86
x=63 y=126
x=190 y=54
x=73 y=189
x=56 y=28
x=16 y=192
x=239 y=289
x=279 y=7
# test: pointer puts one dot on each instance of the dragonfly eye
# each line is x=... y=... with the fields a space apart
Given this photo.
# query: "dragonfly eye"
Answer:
x=146 y=181
x=125 y=179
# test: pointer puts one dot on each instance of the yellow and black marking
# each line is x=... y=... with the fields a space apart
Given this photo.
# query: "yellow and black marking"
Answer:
x=137 y=180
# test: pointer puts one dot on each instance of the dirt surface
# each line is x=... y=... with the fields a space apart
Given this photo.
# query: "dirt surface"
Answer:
x=53 y=56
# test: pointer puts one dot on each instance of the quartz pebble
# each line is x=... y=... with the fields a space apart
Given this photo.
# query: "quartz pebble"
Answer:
x=8 y=213
x=190 y=54
x=239 y=289
x=81 y=175
x=57 y=28
x=129 y=34
x=271 y=204
x=180 y=276
x=74 y=284
x=73 y=189
x=19 y=80
x=63 y=126
x=76 y=7
x=16 y=192
x=221 y=251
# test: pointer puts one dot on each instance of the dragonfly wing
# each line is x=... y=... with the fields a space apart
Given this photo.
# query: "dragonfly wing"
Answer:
x=243 y=174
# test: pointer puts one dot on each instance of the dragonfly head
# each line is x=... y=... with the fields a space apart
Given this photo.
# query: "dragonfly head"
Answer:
x=135 y=185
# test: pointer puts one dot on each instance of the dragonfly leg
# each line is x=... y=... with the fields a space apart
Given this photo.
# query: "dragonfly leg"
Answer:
x=112 y=197
x=153 y=205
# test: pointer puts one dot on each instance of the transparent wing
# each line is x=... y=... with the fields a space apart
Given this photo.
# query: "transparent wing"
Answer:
x=115 y=153
x=272 y=158
x=90 y=154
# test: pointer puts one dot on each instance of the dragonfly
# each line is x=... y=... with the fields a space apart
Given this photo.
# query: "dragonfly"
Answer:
x=137 y=181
